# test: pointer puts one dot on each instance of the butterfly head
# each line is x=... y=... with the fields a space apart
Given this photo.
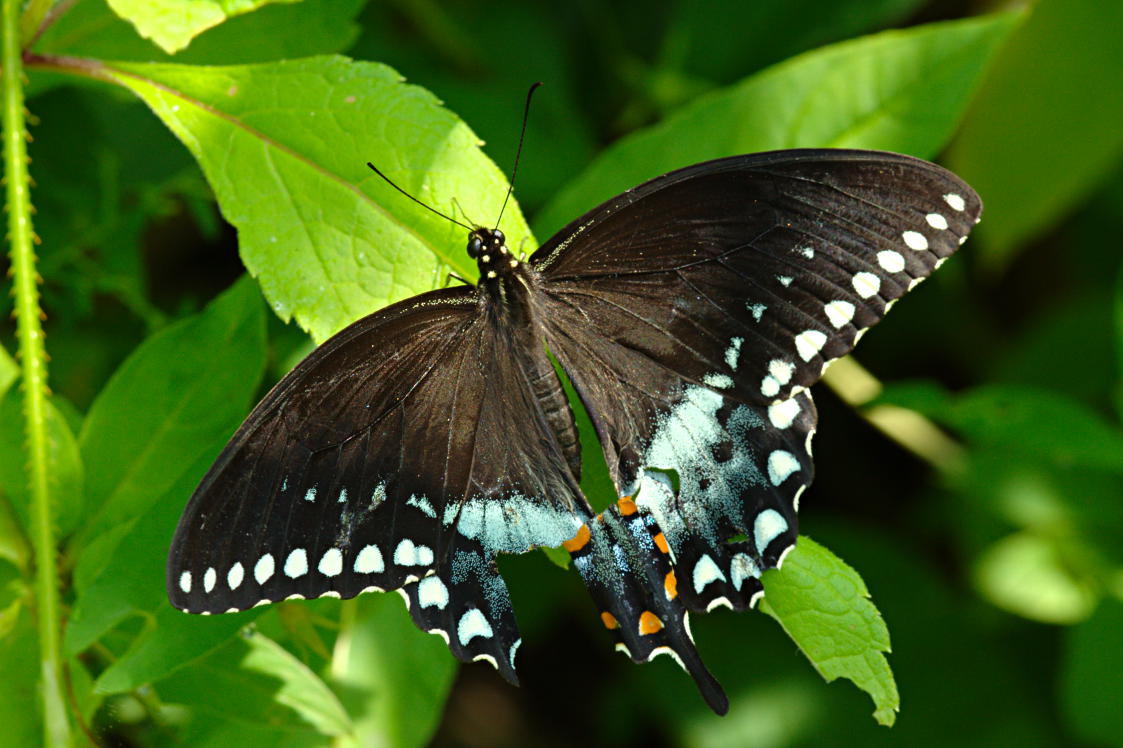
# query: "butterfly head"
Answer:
x=488 y=247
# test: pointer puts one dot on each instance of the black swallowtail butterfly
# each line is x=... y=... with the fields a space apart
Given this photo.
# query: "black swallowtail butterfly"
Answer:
x=691 y=314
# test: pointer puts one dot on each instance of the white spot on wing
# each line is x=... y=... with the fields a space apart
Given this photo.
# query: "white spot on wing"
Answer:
x=235 y=576
x=209 y=578
x=423 y=504
x=779 y=374
x=785 y=280
x=783 y=412
x=706 y=571
x=915 y=240
x=408 y=554
x=310 y=494
x=185 y=582
x=891 y=261
x=936 y=221
x=473 y=624
x=808 y=343
x=781 y=464
x=331 y=563
x=733 y=352
x=839 y=312
x=758 y=310
x=431 y=592
x=263 y=569
x=768 y=526
x=296 y=565
x=955 y=201
x=369 y=561
x=718 y=381
x=866 y=284
x=742 y=567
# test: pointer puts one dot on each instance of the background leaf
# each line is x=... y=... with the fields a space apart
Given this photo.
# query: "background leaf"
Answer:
x=285 y=145
x=914 y=86
x=172 y=24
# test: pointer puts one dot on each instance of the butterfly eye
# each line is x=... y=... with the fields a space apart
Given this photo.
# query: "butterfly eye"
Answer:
x=475 y=244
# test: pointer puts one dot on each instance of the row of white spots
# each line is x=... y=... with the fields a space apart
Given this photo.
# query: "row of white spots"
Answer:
x=368 y=561
x=768 y=525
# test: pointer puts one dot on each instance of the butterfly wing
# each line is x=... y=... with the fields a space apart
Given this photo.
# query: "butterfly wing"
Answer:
x=692 y=313
x=373 y=465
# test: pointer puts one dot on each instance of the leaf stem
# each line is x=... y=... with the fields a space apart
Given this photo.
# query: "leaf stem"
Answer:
x=857 y=387
x=33 y=365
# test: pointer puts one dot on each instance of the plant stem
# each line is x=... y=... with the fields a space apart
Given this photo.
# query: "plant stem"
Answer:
x=33 y=365
x=857 y=387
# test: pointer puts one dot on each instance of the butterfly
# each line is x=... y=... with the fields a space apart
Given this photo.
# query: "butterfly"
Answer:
x=690 y=313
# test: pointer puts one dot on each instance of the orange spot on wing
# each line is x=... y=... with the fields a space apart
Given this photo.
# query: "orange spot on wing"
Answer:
x=609 y=620
x=670 y=585
x=649 y=623
x=579 y=541
x=627 y=506
x=661 y=542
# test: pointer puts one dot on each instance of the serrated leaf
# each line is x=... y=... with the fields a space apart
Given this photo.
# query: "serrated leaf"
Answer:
x=899 y=91
x=825 y=608
x=393 y=677
x=172 y=24
x=64 y=463
x=285 y=146
x=253 y=679
x=278 y=31
x=182 y=389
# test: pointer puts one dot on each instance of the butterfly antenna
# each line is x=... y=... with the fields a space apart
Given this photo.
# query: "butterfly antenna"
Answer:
x=519 y=152
x=411 y=197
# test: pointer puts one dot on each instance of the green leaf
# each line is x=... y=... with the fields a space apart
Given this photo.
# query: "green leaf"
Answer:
x=255 y=680
x=19 y=697
x=9 y=370
x=824 y=607
x=899 y=90
x=172 y=24
x=392 y=677
x=278 y=31
x=285 y=146
x=1026 y=573
x=1045 y=128
x=64 y=475
x=1035 y=421
x=1091 y=689
x=184 y=388
x=173 y=640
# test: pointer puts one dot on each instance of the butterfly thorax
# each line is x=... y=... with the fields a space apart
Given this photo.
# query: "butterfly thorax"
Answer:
x=504 y=280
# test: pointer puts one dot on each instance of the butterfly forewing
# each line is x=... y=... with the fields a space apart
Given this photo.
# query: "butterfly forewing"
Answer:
x=405 y=453
x=692 y=312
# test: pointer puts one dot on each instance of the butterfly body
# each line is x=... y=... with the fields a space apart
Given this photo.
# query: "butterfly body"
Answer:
x=690 y=313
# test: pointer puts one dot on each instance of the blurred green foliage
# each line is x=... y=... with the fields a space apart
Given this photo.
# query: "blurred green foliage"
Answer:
x=159 y=178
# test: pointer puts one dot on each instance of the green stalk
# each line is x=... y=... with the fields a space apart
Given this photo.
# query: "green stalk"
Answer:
x=33 y=364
